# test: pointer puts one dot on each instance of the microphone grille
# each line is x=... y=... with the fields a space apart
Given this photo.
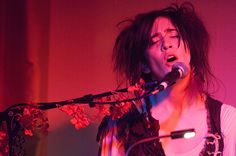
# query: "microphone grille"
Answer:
x=182 y=67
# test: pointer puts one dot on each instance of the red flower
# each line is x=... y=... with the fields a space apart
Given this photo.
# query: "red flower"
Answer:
x=79 y=118
x=33 y=120
x=4 y=148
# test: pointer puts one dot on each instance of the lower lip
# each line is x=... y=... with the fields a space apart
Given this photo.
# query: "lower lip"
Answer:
x=170 y=64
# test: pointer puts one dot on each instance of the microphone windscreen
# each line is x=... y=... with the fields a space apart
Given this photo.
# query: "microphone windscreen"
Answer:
x=181 y=66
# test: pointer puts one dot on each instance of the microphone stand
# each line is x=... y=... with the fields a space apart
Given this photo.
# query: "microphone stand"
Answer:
x=11 y=114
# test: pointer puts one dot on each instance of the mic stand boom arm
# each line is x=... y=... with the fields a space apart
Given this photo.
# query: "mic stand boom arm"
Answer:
x=10 y=115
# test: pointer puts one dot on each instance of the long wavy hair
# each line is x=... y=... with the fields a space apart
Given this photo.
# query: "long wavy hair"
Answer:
x=133 y=41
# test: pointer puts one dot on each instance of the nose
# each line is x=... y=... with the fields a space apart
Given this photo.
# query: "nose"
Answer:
x=166 y=44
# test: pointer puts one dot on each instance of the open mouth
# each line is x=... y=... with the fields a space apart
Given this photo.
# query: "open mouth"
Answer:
x=171 y=58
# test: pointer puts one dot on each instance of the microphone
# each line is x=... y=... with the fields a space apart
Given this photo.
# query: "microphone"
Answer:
x=179 y=71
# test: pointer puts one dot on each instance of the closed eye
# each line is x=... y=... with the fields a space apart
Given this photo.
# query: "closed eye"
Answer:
x=155 y=39
x=175 y=36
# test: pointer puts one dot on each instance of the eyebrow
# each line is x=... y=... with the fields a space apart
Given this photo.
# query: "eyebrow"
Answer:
x=170 y=30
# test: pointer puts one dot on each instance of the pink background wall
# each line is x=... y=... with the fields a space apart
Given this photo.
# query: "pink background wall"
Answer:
x=82 y=34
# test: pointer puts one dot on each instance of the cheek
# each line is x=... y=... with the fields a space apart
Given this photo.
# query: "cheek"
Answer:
x=186 y=56
x=186 y=59
x=153 y=52
x=153 y=57
x=155 y=63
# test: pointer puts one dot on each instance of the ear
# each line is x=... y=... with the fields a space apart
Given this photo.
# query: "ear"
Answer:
x=145 y=69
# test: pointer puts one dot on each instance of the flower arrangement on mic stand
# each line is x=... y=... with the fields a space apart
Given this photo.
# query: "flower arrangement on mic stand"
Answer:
x=17 y=121
x=29 y=118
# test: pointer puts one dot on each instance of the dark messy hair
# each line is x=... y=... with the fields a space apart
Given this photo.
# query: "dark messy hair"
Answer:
x=133 y=40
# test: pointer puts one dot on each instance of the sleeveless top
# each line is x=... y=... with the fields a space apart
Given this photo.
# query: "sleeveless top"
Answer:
x=134 y=126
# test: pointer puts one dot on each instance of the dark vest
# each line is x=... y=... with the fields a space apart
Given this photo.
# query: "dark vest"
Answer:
x=214 y=143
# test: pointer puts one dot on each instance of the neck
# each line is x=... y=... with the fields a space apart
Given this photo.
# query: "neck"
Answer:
x=181 y=94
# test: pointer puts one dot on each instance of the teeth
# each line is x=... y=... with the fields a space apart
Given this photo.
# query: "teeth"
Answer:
x=171 y=58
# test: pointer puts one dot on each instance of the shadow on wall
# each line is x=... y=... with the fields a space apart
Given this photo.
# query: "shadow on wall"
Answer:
x=73 y=142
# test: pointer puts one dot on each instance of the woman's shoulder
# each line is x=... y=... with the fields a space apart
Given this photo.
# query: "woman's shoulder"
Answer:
x=228 y=117
x=228 y=111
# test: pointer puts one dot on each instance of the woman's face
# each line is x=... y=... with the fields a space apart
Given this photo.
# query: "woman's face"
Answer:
x=165 y=49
